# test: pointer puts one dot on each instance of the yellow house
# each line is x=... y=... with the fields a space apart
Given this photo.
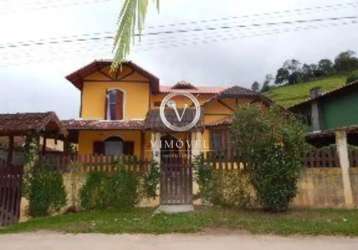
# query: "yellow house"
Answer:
x=122 y=114
x=119 y=112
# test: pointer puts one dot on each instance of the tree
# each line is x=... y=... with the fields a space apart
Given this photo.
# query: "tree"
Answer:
x=266 y=84
x=325 y=66
x=307 y=72
x=346 y=61
x=292 y=65
x=131 y=19
x=272 y=151
x=282 y=76
x=255 y=86
x=295 y=77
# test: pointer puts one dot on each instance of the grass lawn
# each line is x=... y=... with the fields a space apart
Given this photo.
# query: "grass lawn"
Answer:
x=290 y=95
x=304 y=222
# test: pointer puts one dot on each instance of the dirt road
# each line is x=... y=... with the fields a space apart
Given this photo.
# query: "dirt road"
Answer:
x=58 y=241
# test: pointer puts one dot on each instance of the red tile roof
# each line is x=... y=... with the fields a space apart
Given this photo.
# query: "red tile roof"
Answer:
x=196 y=90
x=222 y=122
x=24 y=123
x=237 y=92
x=154 y=122
x=103 y=125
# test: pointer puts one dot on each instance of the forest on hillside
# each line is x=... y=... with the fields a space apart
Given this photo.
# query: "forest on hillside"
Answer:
x=294 y=72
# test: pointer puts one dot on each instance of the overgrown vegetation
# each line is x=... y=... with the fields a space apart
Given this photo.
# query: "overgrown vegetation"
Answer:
x=270 y=143
x=272 y=151
x=223 y=188
x=46 y=191
x=139 y=220
x=121 y=190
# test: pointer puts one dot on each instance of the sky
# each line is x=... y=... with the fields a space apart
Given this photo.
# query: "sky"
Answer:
x=33 y=78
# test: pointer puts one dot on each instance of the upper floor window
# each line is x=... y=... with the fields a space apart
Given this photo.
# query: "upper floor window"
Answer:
x=114 y=106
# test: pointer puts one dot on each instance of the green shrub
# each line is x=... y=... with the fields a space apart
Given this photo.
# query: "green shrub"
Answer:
x=95 y=192
x=151 y=181
x=47 y=192
x=352 y=77
x=204 y=178
x=103 y=190
x=224 y=188
x=123 y=190
x=272 y=144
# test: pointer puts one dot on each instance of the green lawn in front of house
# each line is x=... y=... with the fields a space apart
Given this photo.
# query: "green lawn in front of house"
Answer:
x=142 y=220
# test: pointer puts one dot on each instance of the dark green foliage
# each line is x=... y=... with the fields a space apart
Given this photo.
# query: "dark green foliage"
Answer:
x=272 y=144
x=204 y=178
x=102 y=190
x=121 y=190
x=346 y=61
x=223 y=188
x=255 y=86
x=151 y=181
x=352 y=77
x=292 y=72
x=47 y=192
x=94 y=193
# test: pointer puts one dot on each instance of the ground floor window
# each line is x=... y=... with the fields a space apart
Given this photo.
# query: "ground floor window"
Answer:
x=113 y=146
x=220 y=140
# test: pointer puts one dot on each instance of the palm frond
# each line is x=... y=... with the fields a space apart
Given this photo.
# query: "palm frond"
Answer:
x=130 y=20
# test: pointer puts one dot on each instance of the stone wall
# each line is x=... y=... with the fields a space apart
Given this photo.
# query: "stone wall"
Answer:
x=323 y=188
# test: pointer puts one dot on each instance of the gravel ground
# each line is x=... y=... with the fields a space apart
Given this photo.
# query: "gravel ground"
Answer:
x=203 y=241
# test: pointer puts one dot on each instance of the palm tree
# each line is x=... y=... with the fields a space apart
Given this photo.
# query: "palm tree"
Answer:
x=131 y=20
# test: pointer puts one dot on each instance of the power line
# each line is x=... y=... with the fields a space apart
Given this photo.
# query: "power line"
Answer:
x=300 y=21
x=45 y=5
x=205 y=40
x=106 y=36
x=296 y=11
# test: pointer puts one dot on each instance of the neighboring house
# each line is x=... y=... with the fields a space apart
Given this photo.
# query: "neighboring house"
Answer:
x=119 y=112
x=14 y=128
x=326 y=113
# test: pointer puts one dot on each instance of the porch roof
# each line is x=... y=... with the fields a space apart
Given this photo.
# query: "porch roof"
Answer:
x=227 y=121
x=25 y=123
x=237 y=92
x=103 y=125
x=155 y=123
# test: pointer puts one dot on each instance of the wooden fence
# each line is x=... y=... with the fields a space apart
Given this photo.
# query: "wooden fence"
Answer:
x=10 y=193
x=91 y=163
x=325 y=157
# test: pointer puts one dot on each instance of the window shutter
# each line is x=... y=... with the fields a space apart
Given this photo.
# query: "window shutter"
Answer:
x=128 y=148
x=98 y=148
x=119 y=105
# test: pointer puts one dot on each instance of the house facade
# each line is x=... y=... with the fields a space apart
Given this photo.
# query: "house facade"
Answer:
x=119 y=113
x=326 y=113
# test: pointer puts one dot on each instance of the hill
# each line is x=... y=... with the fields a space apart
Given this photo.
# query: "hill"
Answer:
x=289 y=95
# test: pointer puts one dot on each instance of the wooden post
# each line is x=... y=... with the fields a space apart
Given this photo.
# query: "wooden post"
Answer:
x=196 y=144
x=10 y=152
x=44 y=145
x=342 y=150
x=142 y=146
x=156 y=145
